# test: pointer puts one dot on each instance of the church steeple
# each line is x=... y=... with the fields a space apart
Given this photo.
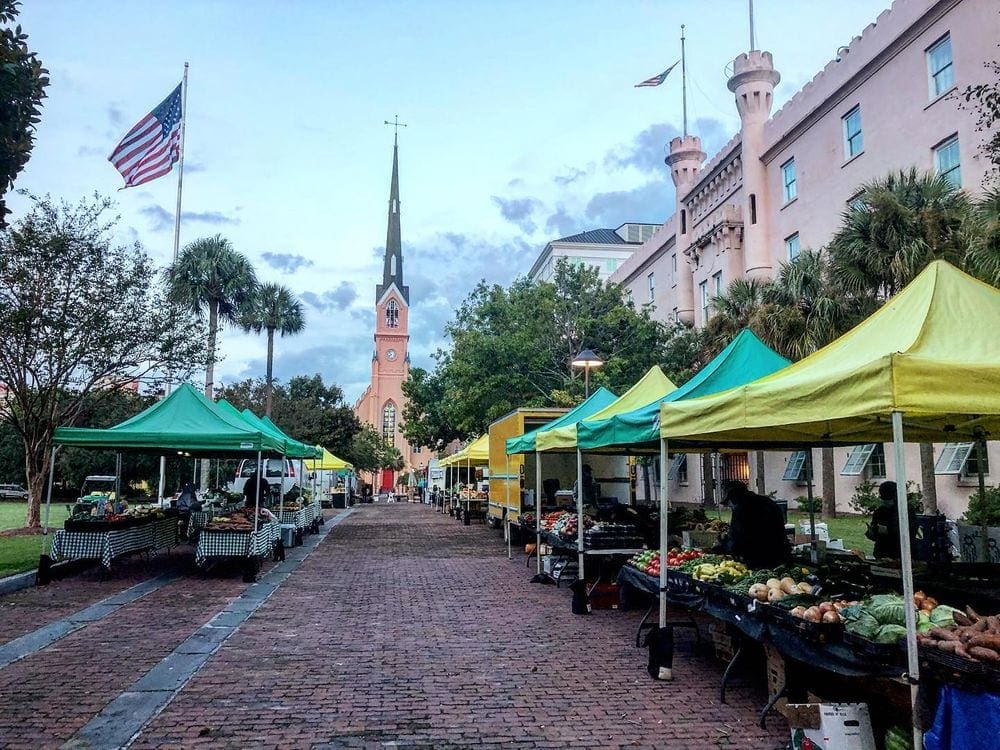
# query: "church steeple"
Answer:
x=392 y=272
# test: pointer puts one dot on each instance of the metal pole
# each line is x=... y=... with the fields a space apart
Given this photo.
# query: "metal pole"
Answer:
x=538 y=511
x=163 y=478
x=118 y=479
x=809 y=495
x=506 y=513
x=180 y=163
x=906 y=568
x=684 y=96
x=256 y=494
x=48 y=499
x=579 y=513
x=753 y=40
x=664 y=530
x=586 y=381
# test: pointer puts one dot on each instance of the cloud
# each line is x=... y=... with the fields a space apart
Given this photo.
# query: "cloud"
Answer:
x=115 y=114
x=339 y=298
x=518 y=211
x=285 y=262
x=645 y=151
x=162 y=220
x=573 y=175
x=563 y=223
x=649 y=203
x=92 y=151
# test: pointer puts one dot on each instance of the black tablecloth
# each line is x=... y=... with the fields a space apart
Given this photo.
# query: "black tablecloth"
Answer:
x=832 y=657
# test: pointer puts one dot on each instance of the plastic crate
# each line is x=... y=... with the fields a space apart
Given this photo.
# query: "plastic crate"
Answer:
x=819 y=632
x=948 y=667
x=883 y=653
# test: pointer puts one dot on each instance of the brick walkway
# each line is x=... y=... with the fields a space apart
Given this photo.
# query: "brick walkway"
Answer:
x=402 y=629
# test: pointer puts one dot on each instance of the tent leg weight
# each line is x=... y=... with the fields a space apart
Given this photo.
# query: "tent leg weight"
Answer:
x=250 y=569
x=466 y=518
x=44 y=575
x=279 y=551
x=298 y=537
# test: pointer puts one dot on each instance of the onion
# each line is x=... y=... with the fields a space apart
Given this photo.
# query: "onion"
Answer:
x=831 y=616
x=813 y=614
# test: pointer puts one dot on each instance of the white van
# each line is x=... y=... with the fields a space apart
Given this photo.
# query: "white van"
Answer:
x=249 y=465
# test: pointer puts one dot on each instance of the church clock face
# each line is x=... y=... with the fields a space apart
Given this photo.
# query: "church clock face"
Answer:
x=390 y=355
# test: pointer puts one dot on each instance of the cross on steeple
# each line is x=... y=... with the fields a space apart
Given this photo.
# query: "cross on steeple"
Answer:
x=397 y=125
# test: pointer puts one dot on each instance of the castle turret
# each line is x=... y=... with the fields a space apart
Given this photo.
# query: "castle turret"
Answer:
x=685 y=160
x=753 y=82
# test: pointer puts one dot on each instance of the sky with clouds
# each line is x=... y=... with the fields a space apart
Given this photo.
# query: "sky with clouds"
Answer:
x=523 y=126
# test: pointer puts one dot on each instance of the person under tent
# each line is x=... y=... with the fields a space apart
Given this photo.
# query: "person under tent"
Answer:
x=756 y=529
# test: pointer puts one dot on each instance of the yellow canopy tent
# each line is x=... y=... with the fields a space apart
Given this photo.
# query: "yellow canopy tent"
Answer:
x=927 y=365
x=476 y=453
x=329 y=462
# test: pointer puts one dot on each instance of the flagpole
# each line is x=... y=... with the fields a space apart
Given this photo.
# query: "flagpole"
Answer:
x=753 y=40
x=177 y=238
x=684 y=96
x=180 y=164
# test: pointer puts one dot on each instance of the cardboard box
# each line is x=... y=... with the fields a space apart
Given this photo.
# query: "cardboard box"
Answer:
x=775 y=669
x=830 y=726
x=604 y=596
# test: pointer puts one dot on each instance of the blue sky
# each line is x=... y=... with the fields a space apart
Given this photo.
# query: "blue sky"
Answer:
x=524 y=126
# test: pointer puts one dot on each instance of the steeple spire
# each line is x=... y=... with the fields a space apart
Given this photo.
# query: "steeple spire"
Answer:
x=392 y=271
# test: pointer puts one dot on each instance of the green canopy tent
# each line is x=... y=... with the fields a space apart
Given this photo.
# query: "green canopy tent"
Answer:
x=185 y=421
x=526 y=443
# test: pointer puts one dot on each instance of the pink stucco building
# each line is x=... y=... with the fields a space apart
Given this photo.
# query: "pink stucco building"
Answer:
x=781 y=183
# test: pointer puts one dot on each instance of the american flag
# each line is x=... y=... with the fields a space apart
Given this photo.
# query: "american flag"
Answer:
x=150 y=149
x=657 y=80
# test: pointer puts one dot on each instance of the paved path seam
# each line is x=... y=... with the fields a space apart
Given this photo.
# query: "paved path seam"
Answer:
x=45 y=636
x=121 y=721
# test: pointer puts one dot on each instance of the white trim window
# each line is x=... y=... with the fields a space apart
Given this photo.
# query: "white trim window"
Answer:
x=703 y=291
x=940 y=71
x=854 y=142
x=652 y=286
x=677 y=463
x=788 y=180
x=795 y=469
x=947 y=161
x=792 y=246
x=862 y=457
x=959 y=459
x=717 y=283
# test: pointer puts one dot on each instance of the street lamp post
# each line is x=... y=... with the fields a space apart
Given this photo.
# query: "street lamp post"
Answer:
x=586 y=359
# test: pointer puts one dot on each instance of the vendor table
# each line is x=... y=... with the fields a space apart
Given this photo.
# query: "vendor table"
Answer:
x=215 y=544
x=109 y=544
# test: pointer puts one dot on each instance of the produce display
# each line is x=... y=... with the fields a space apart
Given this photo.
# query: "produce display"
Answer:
x=647 y=561
x=774 y=590
x=238 y=520
x=132 y=516
x=882 y=618
x=970 y=636
x=723 y=571
x=677 y=556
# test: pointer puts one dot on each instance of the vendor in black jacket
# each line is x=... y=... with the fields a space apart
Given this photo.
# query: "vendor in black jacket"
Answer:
x=756 y=530
x=884 y=528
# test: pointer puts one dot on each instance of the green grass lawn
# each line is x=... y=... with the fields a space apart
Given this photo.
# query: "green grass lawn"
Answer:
x=20 y=553
x=849 y=528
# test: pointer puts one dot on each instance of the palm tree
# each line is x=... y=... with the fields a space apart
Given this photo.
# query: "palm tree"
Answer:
x=273 y=308
x=983 y=256
x=898 y=225
x=211 y=276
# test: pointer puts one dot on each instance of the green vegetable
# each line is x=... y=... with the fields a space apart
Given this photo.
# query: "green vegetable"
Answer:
x=791 y=601
x=863 y=624
x=890 y=634
x=924 y=622
x=943 y=616
x=889 y=613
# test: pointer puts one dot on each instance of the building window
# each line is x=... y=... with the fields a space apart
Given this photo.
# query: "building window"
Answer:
x=788 y=179
x=795 y=469
x=628 y=298
x=652 y=286
x=971 y=468
x=612 y=265
x=684 y=221
x=876 y=464
x=389 y=423
x=959 y=459
x=678 y=468
x=941 y=73
x=857 y=202
x=853 y=141
x=717 y=279
x=859 y=458
x=792 y=246
x=946 y=161
x=703 y=288
x=673 y=265
x=675 y=315
x=392 y=314
x=753 y=208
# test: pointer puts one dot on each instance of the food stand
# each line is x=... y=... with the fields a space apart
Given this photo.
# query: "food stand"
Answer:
x=339 y=495
x=184 y=421
x=138 y=530
x=922 y=368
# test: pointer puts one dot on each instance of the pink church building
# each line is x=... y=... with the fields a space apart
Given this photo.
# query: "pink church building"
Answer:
x=780 y=185
x=381 y=405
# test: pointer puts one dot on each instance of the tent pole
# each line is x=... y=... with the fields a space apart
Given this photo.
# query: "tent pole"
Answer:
x=902 y=508
x=256 y=493
x=538 y=512
x=48 y=498
x=579 y=514
x=118 y=479
x=163 y=478
x=664 y=530
x=809 y=495
x=506 y=510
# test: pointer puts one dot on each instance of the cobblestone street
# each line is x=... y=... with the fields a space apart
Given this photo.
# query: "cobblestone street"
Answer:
x=402 y=629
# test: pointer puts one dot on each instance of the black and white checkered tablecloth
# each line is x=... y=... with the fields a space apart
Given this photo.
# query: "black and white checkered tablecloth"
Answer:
x=297 y=517
x=107 y=545
x=237 y=544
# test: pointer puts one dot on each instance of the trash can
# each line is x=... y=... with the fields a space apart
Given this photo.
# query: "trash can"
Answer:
x=288 y=534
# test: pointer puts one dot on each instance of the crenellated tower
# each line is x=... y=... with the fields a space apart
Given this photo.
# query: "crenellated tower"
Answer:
x=684 y=159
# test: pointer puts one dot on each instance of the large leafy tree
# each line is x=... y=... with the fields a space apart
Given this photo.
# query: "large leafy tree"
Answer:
x=984 y=99
x=370 y=452
x=305 y=408
x=512 y=347
x=23 y=81
x=210 y=277
x=273 y=308
x=80 y=316
x=983 y=255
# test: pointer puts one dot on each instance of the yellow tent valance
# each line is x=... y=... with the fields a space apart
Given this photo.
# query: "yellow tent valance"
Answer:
x=476 y=453
x=329 y=462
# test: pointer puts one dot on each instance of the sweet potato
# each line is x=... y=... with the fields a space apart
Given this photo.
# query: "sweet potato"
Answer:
x=979 y=626
x=986 y=641
x=993 y=624
x=971 y=613
x=942 y=634
x=984 y=654
x=961 y=619
x=960 y=650
x=946 y=645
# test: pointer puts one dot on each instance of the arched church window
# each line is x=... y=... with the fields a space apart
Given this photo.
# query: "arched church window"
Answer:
x=392 y=314
x=389 y=422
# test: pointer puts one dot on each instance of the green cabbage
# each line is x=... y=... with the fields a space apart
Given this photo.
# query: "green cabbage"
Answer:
x=889 y=612
x=862 y=624
x=890 y=634
x=924 y=622
x=943 y=616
